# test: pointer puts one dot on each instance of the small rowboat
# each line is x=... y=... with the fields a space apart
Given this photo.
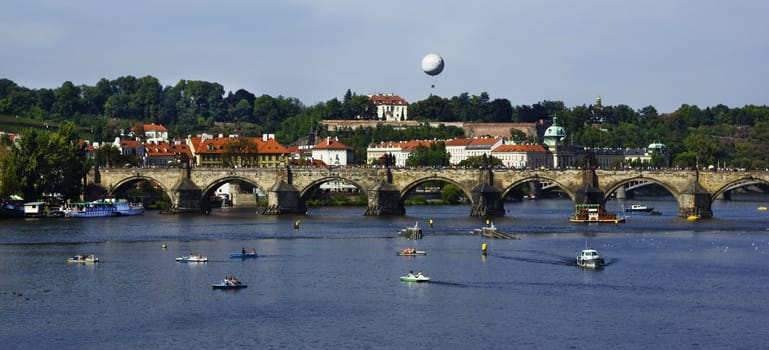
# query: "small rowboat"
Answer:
x=411 y=252
x=83 y=259
x=229 y=283
x=242 y=255
x=225 y=285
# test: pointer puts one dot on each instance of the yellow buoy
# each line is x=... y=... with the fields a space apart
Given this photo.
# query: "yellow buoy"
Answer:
x=483 y=247
x=164 y=246
x=761 y=208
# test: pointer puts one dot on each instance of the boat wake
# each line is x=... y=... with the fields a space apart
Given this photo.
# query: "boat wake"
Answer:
x=555 y=260
x=452 y=284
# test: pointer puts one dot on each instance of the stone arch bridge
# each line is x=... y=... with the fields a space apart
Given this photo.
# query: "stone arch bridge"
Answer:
x=386 y=189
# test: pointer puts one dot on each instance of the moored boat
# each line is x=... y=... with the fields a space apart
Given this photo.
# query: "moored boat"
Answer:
x=83 y=259
x=639 y=208
x=589 y=258
x=411 y=277
x=491 y=231
x=102 y=208
x=196 y=258
x=594 y=213
x=414 y=232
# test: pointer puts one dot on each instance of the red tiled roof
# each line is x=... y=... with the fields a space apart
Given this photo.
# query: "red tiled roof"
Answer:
x=387 y=100
x=484 y=141
x=154 y=127
x=217 y=145
x=519 y=148
x=330 y=143
x=459 y=142
x=269 y=147
x=161 y=149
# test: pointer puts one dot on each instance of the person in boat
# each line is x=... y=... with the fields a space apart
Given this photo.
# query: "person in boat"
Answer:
x=253 y=251
x=243 y=251
x=411 y=273
x=419 y=274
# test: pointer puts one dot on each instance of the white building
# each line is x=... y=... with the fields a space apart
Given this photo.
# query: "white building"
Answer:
x=155 y=133
x=401 y=151
x=522 y=156
x=333 y=153
x=390 y=107
x=461 y=149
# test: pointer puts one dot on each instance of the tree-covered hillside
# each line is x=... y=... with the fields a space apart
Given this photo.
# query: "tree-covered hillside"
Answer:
x=735 y=137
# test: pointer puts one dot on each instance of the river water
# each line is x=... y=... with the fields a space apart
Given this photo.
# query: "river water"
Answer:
x=334 y=283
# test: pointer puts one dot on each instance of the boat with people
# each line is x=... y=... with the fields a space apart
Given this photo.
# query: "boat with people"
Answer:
x=416 y=278
x=594 y=213
x=411 y=252
x=230 y=282
x=590 y=259
x=244 y=254
x=638 y=208
x=83 y=259
x=102 y=208
x=194 y=258
x=414 y=232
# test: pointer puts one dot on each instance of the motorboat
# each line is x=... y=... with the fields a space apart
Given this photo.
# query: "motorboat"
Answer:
x=594 y=213
x=419 y=277
x=639 y=208
x=411 y=252
x=243 y=255
x=83 y=259
x=589 y=258
x=414 y=232
x=192 y=258
x=230 y=282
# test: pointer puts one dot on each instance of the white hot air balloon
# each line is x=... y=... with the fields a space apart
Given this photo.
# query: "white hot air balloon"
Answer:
x=432 y=64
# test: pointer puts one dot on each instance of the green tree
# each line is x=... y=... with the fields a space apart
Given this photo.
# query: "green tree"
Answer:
x=46 y=162
x=435 y=155
x=451 y=194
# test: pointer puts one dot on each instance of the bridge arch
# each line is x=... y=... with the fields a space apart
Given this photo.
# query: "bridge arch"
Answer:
x=540 y=178
x=209 y=189
x=737 y=183
x=315 y=184
x=621 y=183
x=116 y=188
x=412 y=186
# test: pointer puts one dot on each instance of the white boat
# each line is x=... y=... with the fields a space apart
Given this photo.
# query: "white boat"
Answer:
x=414 y=232
x=589 y=258
x=639 y=207
x=419 y=277
x=83 y=259
x=192 y=258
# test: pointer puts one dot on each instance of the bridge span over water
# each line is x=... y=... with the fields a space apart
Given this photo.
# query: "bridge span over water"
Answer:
x=386 y=188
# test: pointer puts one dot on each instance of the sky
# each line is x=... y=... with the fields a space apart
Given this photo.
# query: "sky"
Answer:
x=660 y=53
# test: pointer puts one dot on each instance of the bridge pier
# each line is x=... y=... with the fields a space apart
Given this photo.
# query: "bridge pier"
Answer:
x=620 y=193
x=284 y=198
x=695 y=201
x=187 y=196
x=384 y=199
x=487 y=201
